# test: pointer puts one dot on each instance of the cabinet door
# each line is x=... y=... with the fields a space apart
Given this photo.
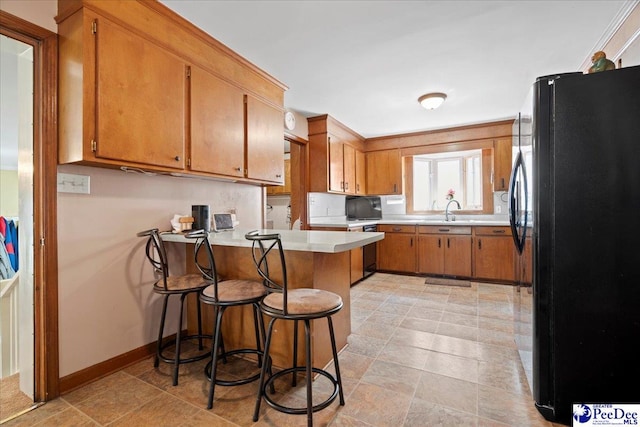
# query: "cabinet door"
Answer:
x=336 y=165
x=265 y=134
x=349 y=169
x=286 y=188
x=140 y=99
x=397 y=252
x=384 y=172
x=494 y=258
x=217 y=125
x=457 y=259
x=502 y=164
x=431 y=254
x=360 y=173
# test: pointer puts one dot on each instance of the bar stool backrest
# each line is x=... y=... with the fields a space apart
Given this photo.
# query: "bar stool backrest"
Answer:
x=156 y=253
x=262 y=246
x=207 y=267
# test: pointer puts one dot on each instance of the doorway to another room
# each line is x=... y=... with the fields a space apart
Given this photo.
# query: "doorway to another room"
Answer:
x=28 y=155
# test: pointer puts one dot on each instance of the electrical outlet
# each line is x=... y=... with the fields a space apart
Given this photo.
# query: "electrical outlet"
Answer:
x=498 y=209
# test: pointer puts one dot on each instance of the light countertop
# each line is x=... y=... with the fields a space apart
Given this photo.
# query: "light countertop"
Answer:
x=292 y=240
x=460 y=222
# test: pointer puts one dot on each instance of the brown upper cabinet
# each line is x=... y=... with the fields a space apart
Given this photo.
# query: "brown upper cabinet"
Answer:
x=282 y=189
x=112 y=110
x=265 y=134
x=141 y=87
x=361 y=176
x=334 y=151
x=218 y=114
x=217 y=125
x=501 y=164
x=384 y=172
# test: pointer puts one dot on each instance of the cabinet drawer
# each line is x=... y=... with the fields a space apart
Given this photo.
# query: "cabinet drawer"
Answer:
x=492 y=231
x=394 y=228
x=443 y=229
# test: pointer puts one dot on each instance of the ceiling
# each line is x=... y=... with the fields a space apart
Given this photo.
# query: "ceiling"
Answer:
x=366 y=62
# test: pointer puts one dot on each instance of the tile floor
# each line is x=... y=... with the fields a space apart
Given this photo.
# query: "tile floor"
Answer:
x=419 y=355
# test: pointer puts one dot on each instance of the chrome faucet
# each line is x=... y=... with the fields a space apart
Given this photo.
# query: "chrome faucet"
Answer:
x=446 y=211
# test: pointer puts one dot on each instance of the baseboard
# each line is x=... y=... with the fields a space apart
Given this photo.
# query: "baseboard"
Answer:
x=102 y=369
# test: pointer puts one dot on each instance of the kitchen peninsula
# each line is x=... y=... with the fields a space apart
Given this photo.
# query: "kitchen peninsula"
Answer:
x=314 y=259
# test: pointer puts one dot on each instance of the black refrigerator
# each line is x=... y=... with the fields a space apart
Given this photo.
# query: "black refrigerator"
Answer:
x=585 y=183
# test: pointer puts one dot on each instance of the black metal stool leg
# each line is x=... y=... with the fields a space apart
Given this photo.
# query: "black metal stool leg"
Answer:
x=156 y=360
x=335 y=359
x=307 y=350
x=266 y=365
x=198 y=303
x=176 y=363
x=294 y=379
x=219 y=311
x=256 y=326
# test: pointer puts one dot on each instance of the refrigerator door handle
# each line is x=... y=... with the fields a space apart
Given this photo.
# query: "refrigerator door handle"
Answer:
x=514 y=204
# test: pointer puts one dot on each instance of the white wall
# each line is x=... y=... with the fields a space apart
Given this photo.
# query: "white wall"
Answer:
x=9 y=193
x=39 y=12
x=107 y=306
x=279 y=212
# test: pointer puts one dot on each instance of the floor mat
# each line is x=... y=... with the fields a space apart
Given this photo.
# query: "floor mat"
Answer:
x=447 y=282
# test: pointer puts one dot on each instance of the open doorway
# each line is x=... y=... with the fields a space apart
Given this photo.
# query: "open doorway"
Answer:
x=32 y=188
x=16 y=227
x=286 y=205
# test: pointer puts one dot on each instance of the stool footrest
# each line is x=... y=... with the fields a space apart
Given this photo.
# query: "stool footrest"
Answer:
x=207 y=351
x=223 y=357
x=300 y=411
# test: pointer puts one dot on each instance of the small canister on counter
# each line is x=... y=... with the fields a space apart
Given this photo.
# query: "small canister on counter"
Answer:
x=202 y=217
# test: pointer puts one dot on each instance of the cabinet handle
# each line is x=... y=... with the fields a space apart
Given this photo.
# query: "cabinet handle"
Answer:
x=342 y=185
x=412 y=242
x=396 y=229
x=448 y=243
x=444 y=230
x=346 y=186
x=237 y=169
x=439 y=242
x=395 y=188
x=357 y=187
x=278 y=176
x=498 y=231
x=479 y=243
x=502 y=181
x=177 y=158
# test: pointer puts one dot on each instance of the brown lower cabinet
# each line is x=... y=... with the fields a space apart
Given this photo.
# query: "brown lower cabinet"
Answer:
x=397 y=251
x=444 y=250
x=477 y=252
x=494 y=253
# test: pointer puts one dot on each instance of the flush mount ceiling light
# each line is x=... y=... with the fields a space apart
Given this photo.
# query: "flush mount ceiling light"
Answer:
x=431 y=101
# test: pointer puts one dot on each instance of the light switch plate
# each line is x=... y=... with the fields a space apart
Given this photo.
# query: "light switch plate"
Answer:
x=70 y=183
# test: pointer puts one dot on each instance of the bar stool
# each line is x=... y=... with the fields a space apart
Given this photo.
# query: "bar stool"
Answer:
x=222 y=295
x=167 y=286
x=301 y=304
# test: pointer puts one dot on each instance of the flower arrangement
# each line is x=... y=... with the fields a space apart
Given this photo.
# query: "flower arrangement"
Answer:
x=450 y=194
